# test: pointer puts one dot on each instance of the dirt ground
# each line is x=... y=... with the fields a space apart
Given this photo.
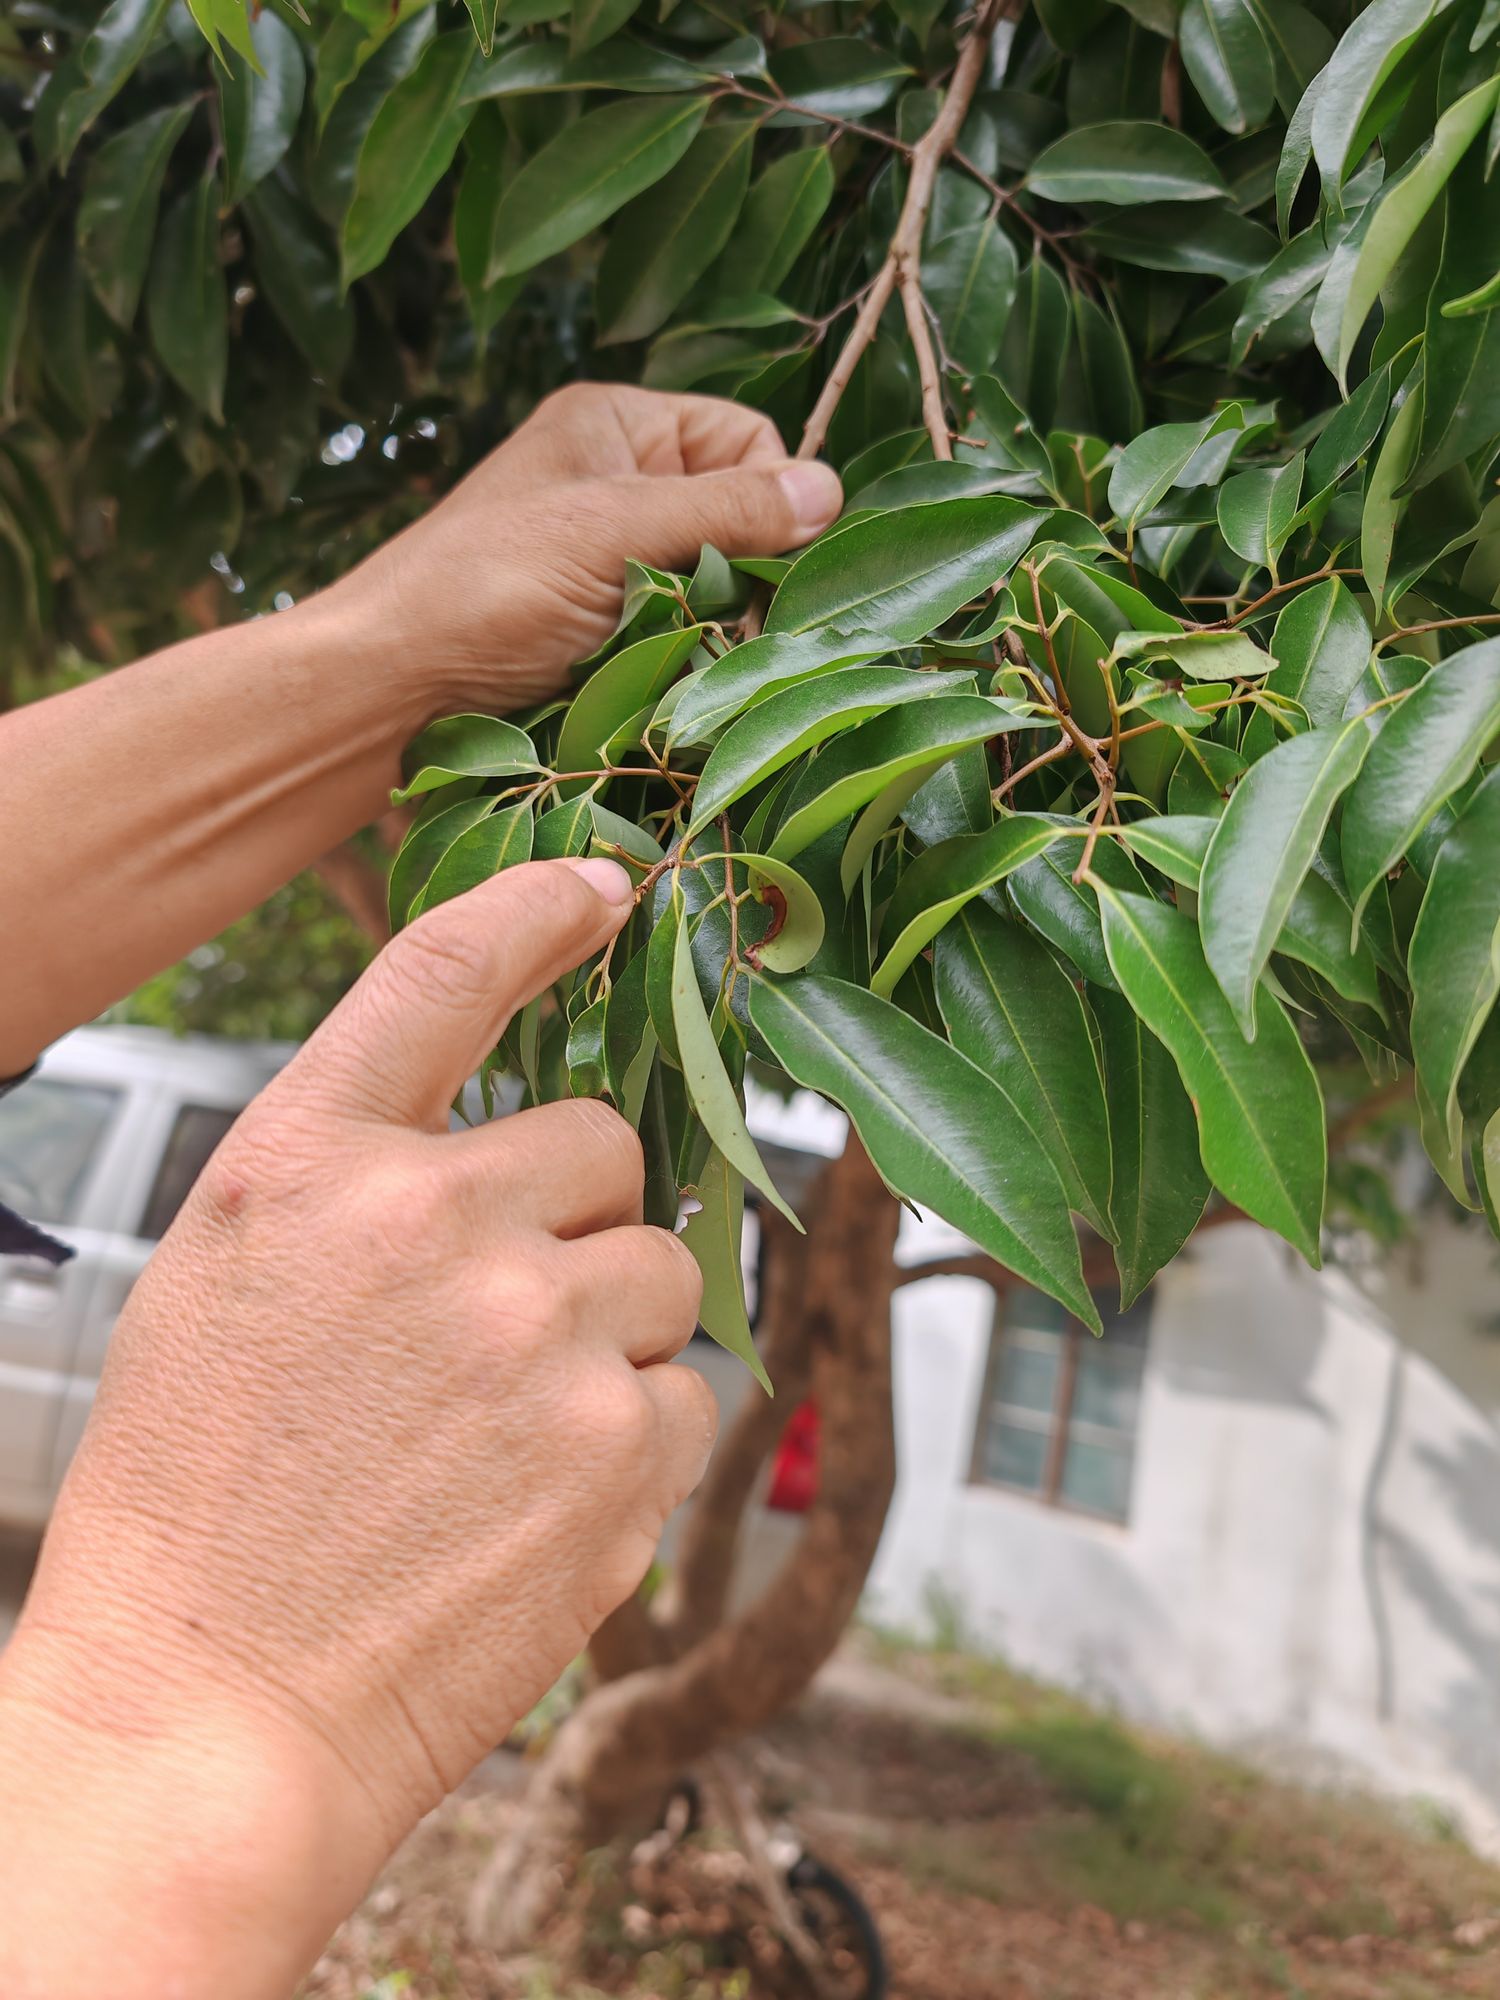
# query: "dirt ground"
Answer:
x=1013 y=1844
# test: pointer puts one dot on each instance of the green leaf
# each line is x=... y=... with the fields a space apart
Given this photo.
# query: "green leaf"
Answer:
x=1204 y=656
x=710 y=1092
x=796 y=934
x=748 y=674
x=297 y=268
x=615 y=693
x=427 y=841
x=666 y=238
x=884 y=760
x=1461 y=355
x=1397 y=211
x=969 y=278
x=1257 y=510
x=594 y=21
x=501 y=840
x=1225 y=54
x=527 y=68
x=1011 y=1009
x=713 y=1235
x=482 y=13
x=1157 y=1185
x=1150 y=466
x=1067 y=912
x=564 y=831
x=464 y=746
x=939 y=1130
x=1115 y=404
x=89 y=79
x=1260 y=1113
x=1296 y=151
x=1454 y=955
x=1034 y=347
x=1321 y=646
x=1296 y=270
x=1263 y=848
x=259 y=112
x=409 y=147
x=1125 y=161
x=1383 y=506
x=187 y=306
x=1206 y=240
x=117 y=212
x=782 y=209
x=901 y=574
x=586 y=173
x=1420 y=758
x=801 y=716
x=1371 y=51
x=226 y=19
x=943 y=879
x=332 y=176
x=838 y=76
x=1349 y=433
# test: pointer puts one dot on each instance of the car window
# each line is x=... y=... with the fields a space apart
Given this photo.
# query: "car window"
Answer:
x=50 y=1130
x=196 y=1132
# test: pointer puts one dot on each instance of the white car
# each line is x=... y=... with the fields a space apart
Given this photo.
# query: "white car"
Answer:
x=100 y=1147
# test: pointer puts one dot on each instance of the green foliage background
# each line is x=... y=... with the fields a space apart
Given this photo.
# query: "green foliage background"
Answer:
x=1116 y=778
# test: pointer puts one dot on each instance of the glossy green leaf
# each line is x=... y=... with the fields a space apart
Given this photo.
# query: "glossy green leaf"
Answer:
x=117 y=214
x=940 y=1131
x=713 y=1234
x=591 y=22
x=969 y=279
x=711 y=1093
x=1296 y=271
x=1034 y=347
x=501 y=840
x=901 y=574
x=427 y=841
x=1125 y=161
x=1067 y=912
x=885 y=759
x=1262 y=850
x=749 y=674
x=1225 y=54
x=297 y=268
x=1011 y=1009
x=1257 y=509
x=331 y=177
x=588 y=172
x=783 y=208
x=1150 y=466
x=1371 y=51
x=89 y=79
x=1321 y=645
x=1296 y=152
x=1454 y=955
x=615 y=693
x=1461 y=355
x=666 y=239
x=483 y=14
x=1424 y=753
x=259 y=109
x=943 y=879
x=1383 y=504
x=841 y=76
x=1157 y=1184
x=409 y=147
x=222 y=21
x=1259 y=1110
x=187 y=305
x=1203 y=656
x=1208 y=239
x=1115 y=405
x=464 y=746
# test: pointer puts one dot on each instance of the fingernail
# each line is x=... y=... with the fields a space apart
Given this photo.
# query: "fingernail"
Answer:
x=815 y=492
x=607 y=878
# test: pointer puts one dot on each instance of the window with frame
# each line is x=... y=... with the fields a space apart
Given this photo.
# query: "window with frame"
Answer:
x=1061 y=1406
x=197 y=1130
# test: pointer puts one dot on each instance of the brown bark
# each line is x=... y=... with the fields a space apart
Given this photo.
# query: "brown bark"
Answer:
x=618 y=1755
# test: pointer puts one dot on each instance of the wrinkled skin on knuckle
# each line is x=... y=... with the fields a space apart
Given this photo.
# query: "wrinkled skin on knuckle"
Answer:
x=612 y=1138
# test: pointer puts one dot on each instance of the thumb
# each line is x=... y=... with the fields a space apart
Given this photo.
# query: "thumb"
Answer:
x=745 y=510
x=403 y=1041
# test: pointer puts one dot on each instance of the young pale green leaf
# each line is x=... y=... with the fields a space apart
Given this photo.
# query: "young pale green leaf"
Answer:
x=464 y=746
x=1151 y=464
x=1203 y=656
x=1157 y=1184
x=1260 y=1113
x=969 y=279
x=887 y=758
x=616 y=692
x=783 y=208
x=427 y=841
x=713 y=1235
x=187 y=305
x=1423 y=754
x=1370 y=52
x=1383 y=504
x=501 y=840
x=117 y=213
x=939 y=1130
x=943 y=879
x=1454 y=955
x=1400 y=208
x=902 y=574
x=666 y=239
x=797 y=718
x=1225 y=54
x=1262 y=850
x=1257 y=510
x=409 y=147
x=797 y=926
x=588 y=171
x=747 y=675
x=1125 y=161
x=260 y=109
x=1012 y=1010
x=710 y=1092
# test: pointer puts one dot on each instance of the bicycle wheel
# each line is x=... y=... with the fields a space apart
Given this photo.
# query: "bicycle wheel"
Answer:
x=837 y=1917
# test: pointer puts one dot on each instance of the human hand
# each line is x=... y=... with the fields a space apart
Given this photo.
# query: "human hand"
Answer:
x=519 y=572
x=383 y=1435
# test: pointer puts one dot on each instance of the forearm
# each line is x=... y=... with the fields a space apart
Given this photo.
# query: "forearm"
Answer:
x=159 y=803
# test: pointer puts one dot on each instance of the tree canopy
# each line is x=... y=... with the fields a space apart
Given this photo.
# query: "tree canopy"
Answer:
x=1116 y=779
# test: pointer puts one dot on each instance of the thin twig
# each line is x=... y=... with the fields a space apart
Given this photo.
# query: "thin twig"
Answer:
x=934 y=414
x=1062 y=749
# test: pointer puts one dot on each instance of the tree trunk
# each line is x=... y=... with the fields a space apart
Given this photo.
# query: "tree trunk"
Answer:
x=613 y=1762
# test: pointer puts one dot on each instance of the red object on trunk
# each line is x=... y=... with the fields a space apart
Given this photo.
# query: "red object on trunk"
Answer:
x=794 y=1475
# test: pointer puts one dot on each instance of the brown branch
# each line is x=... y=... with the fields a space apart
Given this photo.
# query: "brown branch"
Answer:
x=934 y=414
x=905 y=253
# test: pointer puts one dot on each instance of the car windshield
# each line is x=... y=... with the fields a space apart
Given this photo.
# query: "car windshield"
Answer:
x=49 y=1131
